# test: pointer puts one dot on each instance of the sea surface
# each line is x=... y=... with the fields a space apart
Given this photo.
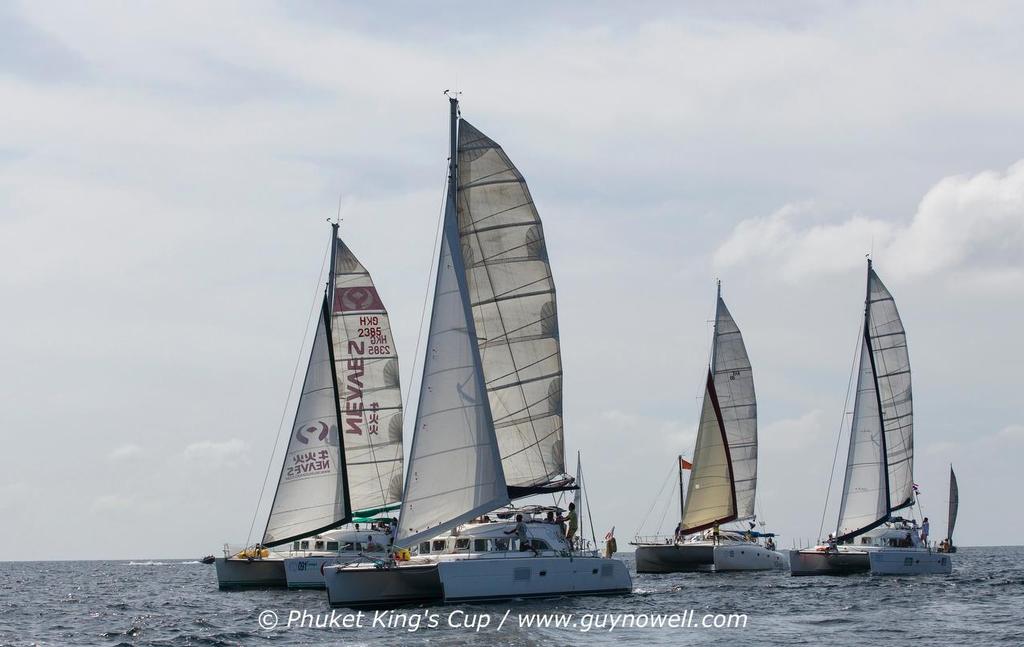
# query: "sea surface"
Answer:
x=175 y=602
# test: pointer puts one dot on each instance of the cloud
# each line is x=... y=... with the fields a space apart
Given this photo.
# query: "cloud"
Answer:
x=228 y=453
x=1013 y=432
x=125 y=452
x=113 y=502
x=972 y=226
x=796 y=433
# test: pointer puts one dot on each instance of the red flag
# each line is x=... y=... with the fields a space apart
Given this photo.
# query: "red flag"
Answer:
x=685 y=464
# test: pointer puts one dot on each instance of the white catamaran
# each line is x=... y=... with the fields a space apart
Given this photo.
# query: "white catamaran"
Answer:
x=344 y=452
x=723 y=479
x=488 y=424
x=880 y=463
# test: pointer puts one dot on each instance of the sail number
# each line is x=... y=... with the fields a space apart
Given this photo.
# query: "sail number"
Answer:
x=370 y=328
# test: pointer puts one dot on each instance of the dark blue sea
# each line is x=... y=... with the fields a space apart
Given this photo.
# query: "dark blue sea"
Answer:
x=175 y=602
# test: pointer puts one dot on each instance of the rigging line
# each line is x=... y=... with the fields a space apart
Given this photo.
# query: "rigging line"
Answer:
x=654 y=502
x=291 y=387
x=842 y=421
x=664 y=513
x=586 y=502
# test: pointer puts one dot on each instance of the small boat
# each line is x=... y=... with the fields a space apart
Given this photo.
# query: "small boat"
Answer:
x=723 y=473
x=946 y=545
x=344 y=451
x=879 y=477
x=488 y=424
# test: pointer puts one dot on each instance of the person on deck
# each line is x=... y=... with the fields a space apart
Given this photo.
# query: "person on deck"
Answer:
x=924 y=532
x=679 y=532
x=519 y=530
x=573 y=521
x=715 y=534
x=372 y=546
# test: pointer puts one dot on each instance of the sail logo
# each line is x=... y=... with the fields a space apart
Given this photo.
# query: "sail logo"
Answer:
x=321 y=433
x=309 y=463
x=358 y=299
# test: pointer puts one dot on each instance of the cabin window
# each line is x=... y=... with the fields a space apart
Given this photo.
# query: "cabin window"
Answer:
x=462 y=543
x=437 y=546
x=359 y=545
x=304 y=544
x=479 y=545
x=319 y=545
x=295 y=545
x=865 y=540
x=424 y=547
x=501 y=543
x=332 y=545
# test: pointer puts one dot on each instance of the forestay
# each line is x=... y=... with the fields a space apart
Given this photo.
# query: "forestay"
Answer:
x=311 y=493
x=368 y=386
x=514 y=309
x=710 y=496
x=734 y=386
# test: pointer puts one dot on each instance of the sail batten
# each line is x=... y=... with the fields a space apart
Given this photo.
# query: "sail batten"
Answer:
x=369 y=384
x=514 y=309
x=312 y=491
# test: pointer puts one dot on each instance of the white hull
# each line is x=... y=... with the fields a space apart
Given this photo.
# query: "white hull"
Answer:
x=910 y=562
x=747 y=557
x=817 y=561
x=308 y=572
x=236 y=573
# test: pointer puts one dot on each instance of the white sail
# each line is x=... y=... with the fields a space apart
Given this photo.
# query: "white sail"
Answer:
x=710 y=496
x=734 y=386
x=368 y=386
x=513 y=299
x=864 y=501
x=311 y=492
x=892 y=368
x=954 y=504
x=455 y=470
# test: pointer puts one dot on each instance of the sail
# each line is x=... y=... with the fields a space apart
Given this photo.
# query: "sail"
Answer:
x=710 y=496
x=864 y=504
x=455 y=471
x=311 y=493
x=892 y=368
x=954 y=504
x=734 y=385
x=513 y=299
x=368 y=386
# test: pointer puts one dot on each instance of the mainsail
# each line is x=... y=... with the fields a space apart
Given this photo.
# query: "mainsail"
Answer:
x=710 y=495
x=311 y=493
x=501 y=242
x=368 y=385
x=880 y=463
x=954 y=505
x=892 y=371
x=455 y=469
x=734 y=386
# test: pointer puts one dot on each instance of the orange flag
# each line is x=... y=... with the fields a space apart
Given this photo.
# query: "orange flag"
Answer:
x=685 y=464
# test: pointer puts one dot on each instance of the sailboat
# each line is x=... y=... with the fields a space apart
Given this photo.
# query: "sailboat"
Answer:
x=947 y=545
x=344 y=455
x=488 y=425
x=879 y=477
x=723 y=479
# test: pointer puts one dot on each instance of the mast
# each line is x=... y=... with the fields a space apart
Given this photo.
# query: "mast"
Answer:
x=714 y=337
x=334 y=258
x=878 y=396
x=682 y=498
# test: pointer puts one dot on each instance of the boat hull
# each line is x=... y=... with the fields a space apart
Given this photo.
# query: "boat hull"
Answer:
x=306 y=572
x=509 y=578
x=238 y=573
x=747 y=557
x=374 y=588
x=910 y=562
x=675 y=558
x=816 y=562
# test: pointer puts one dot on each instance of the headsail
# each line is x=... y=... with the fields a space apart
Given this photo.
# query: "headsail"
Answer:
x=455 y=470
x=954 y=504
x=864 y=504
x=892 y=369
x=734 y=386
x=311 y=493
x=368 y=385
x=710 y=495
x=513 y=297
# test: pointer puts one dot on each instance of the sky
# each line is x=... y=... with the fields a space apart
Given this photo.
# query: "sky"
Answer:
x=167 y=171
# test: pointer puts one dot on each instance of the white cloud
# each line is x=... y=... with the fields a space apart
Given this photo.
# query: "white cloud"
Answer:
x=113 y=502
x=1013 y=432
x=125 y=452
x=228 y=453
x=971 y=226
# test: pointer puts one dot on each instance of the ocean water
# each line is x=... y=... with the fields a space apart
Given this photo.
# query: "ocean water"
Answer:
x=175 y=602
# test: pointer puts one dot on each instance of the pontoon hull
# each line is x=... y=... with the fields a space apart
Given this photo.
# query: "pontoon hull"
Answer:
x=238 y=573
x=675 y=558
x=910 y=562
x=369 y=588
x=747 y=557
x=815 y=562
x=536 y=577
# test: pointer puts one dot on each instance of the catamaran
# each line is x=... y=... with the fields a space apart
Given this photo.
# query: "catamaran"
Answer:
x=880 y=463
x=345 y=449
x=723 y=479
x=488 y=425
